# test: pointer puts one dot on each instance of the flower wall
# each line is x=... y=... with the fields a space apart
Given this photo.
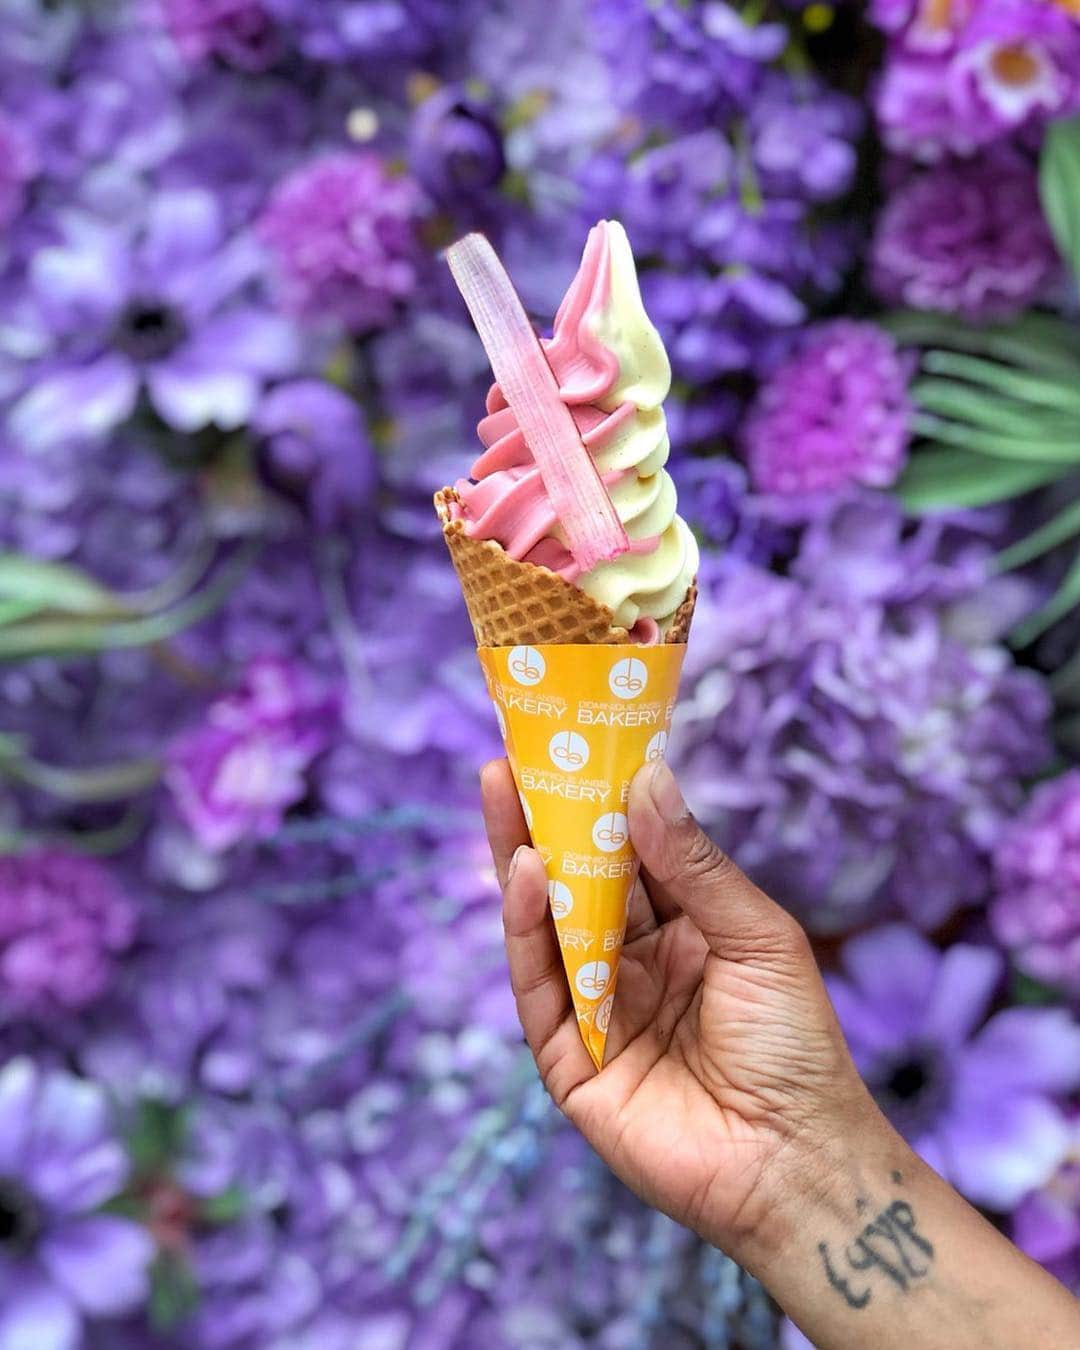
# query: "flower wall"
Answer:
x=261 y=1081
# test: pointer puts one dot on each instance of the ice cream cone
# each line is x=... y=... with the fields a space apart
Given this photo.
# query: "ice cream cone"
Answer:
x=580 y=708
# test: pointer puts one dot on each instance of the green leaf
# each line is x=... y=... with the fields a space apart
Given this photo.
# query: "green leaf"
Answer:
x=1044 y=449
x=104 y=783
x=1059 y=188
x=1037 y=342
x=225 y=1207
x=1058 y=393
x=42 y=585
x=1060 y=603
x=1065 y=681
x=940 y=477
x=156 y=1136
x=174 y=1293
x=962 y=402
x=1029 y=992
x=1056 y=531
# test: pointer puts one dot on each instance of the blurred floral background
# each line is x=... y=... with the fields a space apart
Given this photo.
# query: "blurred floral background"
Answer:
x=261 y=1082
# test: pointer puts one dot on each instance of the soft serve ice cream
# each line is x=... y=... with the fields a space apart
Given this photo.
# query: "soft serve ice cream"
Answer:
x=613 y=375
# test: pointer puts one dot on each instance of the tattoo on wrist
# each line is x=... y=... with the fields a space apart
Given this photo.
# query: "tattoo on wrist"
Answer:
x=889 y=1246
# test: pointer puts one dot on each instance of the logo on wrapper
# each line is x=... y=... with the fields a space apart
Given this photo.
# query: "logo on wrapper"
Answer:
x=628 y=678
x=656 y=748
x=592 y=979
x=567 y=750
x=561 y=899
x=527 y=665
x=603 y=1014
x=611 y=832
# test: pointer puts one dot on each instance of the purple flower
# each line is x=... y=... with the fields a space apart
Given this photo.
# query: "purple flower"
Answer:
x=60 y=1261
x=241 y=33
x=958 y=77
x=63 y=919
x=455 y=146
x=967 y=238
x=833 y=415
x=853 y=732
x=18 y=164
x=1046 y=1223
x=234 y=775
x=978 y=1102
x=1036 y=914
x=344 y=234
x=316 y=444
x=161 y=303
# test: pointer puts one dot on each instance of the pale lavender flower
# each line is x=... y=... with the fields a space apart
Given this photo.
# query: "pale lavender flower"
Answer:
x=343 y=233
x=968 y=238
x=159 y=303
x=1036 y=914
x=18 y=164
x=853 y=732
x=62 y=1261
x=835 y=414
x=235 y=775
x=980 y=1102
x=63 y=921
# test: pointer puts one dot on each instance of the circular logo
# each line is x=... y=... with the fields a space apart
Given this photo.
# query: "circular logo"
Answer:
x=603 y=1014
x=561 y=898
x=611 y=832
x=628 y=678
x=568 y=751
x=656 y=747
x=526 y=810
x=592 y=979
x=501 y=720
x=527 y=666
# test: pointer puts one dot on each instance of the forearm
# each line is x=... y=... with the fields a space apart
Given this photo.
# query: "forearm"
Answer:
x=871 y=1247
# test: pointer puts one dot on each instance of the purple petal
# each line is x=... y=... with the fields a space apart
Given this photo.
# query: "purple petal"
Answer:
x=71 y=1161
x=182 y=227
x=18 y=1090
x=101 y=1262
x=962 y=992
x=1046 y=1226
x=38 y=1316
x=74 y=404
x=997 y=1155
x=1024 y=1049
x=870 y=1028
x=247 y=339
x=894 y=967
x=190 y=396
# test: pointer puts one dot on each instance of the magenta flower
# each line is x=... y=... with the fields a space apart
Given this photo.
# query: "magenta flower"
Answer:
x=235 y=774
x=343 y=233
x=63 y=920
x=967 y=238
x=980 y=1102
x=1037 y=864
x=241 y=32
x=61 y=1260
x=834 y=414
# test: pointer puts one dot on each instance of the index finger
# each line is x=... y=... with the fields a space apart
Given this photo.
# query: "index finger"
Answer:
x=503 y=819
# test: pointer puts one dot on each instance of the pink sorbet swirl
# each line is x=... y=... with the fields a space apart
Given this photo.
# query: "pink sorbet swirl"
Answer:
x=506 y=499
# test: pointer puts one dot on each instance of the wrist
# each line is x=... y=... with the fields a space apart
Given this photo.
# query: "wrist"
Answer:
x=819 y=1176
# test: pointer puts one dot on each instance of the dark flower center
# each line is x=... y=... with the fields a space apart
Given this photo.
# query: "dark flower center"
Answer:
x=907 y=1080
x=20 y=1218
x=149 y=330
x=911 y=1088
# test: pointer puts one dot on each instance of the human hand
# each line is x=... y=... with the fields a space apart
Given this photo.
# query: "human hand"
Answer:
x=726 y=1071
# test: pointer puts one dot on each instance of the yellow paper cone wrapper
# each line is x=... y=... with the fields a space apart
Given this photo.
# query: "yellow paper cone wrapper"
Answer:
x=578 y=722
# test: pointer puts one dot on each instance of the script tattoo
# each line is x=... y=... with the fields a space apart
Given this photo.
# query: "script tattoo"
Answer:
x=889 y=1243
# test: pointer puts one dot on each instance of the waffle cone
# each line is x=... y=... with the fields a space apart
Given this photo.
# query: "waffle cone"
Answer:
x=512 y=603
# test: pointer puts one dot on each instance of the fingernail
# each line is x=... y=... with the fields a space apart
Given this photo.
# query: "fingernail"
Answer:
x=521 y=848
x=666 y=796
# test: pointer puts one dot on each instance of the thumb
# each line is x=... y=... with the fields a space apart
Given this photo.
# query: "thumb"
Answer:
x=687 y=872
